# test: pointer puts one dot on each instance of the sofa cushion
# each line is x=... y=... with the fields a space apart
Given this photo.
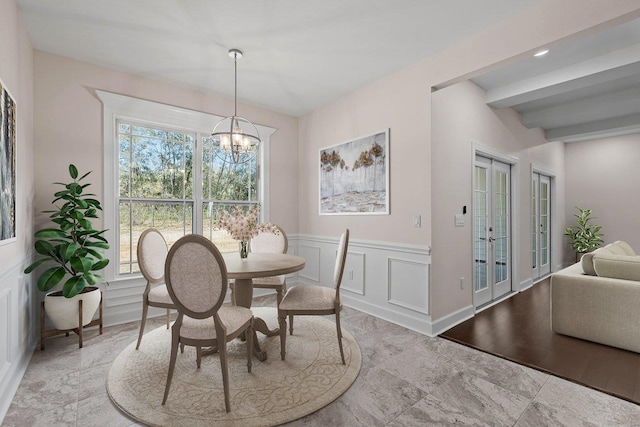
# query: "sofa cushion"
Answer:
x=628 y=250
x=625 y=267
x=616 y=248
x=587 y=263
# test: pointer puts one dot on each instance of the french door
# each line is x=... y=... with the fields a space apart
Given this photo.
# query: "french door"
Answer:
x=540 y=225
x=491 y=230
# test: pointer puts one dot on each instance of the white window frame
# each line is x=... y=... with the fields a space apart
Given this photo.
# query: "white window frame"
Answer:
x=116 y=106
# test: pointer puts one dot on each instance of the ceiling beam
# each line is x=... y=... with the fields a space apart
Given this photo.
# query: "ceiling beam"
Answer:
x=594 y=130
x=595 y=108
x=611 y=66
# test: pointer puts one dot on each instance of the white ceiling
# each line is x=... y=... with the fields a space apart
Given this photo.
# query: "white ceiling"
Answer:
x=299 y=54
x=585 y=89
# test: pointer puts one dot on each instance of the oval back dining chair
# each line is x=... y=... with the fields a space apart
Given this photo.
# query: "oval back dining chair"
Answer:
x=196 y=277
x=315 y=300
x=267 y=241
x=152 y=253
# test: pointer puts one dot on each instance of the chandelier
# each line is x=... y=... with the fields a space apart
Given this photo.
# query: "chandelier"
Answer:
x=235 y=135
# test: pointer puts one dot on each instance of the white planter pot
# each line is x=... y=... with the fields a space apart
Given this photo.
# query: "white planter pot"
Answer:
x=63 y=312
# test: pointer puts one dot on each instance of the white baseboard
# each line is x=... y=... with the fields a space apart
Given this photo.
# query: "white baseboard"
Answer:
x=526 y=284
x=125 y=313
x=9 y=388
x=414 y=323
x=449 y=321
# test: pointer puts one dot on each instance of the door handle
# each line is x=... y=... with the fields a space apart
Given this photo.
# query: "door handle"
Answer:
x=491 y=239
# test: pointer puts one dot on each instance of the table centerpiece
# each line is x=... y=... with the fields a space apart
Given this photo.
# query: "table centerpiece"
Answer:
x=242 y=226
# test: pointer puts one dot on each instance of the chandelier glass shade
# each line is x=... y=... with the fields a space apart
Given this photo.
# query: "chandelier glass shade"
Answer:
x=236 y=136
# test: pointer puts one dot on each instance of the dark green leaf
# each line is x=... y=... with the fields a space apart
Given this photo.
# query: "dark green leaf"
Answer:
x=73 y=171
x=95 y=253
x=90 y=278
x=44 y=248
x=71 y=250
x=50 y=233
x=73 y=286
x=81 y=264
x=35 y=265
x=100 y=265
x=84 y=176
x=50 y=278
x=101 y=245
x=102 y=239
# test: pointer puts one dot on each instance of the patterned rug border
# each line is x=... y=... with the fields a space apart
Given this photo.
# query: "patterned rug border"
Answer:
x=163 y=417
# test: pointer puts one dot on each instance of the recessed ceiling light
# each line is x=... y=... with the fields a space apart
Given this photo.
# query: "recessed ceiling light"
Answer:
x=542 y=52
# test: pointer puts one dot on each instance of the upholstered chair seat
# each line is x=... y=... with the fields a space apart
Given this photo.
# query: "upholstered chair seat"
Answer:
x=309 y=298
x=233 y=318
x=314 y=300
x=159 y=294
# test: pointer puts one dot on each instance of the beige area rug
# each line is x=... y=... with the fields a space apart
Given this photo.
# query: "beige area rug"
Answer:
x=274 y=392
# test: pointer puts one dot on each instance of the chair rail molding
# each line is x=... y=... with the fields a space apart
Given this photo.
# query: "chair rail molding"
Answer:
x=17 y=329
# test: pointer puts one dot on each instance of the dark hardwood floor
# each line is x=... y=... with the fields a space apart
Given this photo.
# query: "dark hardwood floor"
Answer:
x=518 y=329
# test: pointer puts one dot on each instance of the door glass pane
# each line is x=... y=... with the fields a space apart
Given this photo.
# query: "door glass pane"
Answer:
x=534 y=223
x=501 y=221
x=480 y=195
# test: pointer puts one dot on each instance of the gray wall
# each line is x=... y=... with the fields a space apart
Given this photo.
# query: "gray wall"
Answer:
x=604 y=175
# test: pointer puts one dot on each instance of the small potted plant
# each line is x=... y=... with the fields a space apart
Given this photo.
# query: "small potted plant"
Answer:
x=585 y=237
x=71 y=253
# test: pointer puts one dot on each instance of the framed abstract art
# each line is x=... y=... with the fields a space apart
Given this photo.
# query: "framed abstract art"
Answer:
x=7 y=166
x=354 y=176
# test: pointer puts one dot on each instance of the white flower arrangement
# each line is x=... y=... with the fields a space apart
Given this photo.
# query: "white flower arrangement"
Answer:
x=243 y=226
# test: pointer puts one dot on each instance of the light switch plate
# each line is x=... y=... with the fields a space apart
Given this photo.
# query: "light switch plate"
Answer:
x=459 y=220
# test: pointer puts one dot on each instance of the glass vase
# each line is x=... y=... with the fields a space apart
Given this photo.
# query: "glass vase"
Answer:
x=244 y=248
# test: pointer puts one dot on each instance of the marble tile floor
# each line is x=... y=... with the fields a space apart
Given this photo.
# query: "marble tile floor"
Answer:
x=407 y=379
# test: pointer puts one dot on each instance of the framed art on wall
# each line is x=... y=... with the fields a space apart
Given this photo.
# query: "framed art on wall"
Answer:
x=354 y=176
x=7 y=166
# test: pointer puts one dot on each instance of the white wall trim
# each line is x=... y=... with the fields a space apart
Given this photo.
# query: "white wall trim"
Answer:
x=373 y=244
x=17 y=331
x=12 y=382
x=449 y=321
x=375 y=275
x=526 y=284
x=420 y=308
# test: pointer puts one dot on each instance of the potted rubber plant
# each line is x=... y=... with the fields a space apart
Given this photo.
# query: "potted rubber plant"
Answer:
x=71 y=253
x=584 y=237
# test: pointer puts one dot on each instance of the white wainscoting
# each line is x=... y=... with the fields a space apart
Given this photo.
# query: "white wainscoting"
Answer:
x=387 y=280
x=17 y=325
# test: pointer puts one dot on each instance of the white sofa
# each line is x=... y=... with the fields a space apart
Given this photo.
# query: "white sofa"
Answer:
x=598 y=299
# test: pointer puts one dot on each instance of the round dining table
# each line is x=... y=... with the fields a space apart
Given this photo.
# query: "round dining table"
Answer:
x=256 y=265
